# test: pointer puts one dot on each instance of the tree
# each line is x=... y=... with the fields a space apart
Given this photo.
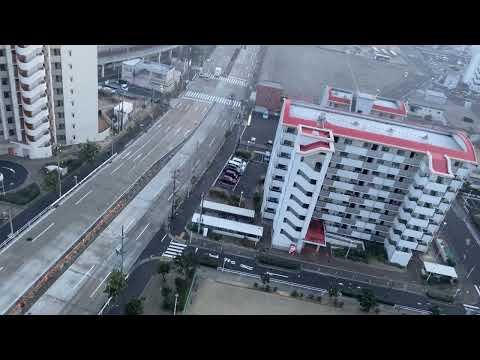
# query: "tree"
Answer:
x=435 y=310
x=163 y=269
x=166 y=291
x=116 y=284
x=427 y=117
x=134 y=306
x=333 y=291
x=265 y=279
x=367 y=300
x=51 y=180
x=185 y=264
x=88 y=152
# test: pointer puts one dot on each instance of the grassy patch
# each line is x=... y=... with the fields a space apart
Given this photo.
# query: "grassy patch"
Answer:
x=353 y=254
x=23 y=196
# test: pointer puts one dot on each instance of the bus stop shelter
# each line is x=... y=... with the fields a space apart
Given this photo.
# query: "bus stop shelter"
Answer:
x=439 y=270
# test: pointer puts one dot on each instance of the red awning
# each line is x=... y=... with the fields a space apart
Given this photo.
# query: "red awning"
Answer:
x=316 y=232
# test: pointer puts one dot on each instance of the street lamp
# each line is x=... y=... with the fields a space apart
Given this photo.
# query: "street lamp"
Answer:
x=59 y=172
x=240 y=201
x=175 y=307
x=76 y=180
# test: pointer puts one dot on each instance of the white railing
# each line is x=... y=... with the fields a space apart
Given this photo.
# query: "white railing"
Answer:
x=38 y=130
x=33 y=79
x=36 y=91
x=37 y=118
x=41 y=102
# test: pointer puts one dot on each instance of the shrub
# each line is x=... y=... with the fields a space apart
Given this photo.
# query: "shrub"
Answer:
x=300 y=295
x=267 y=288
x=294 y=293
x=440 y=296
x=166 y=291
x=319 y=298
x=311 y=296
x=277 y=261
x=244 y=154
x=255 y=285
x=275 y=289
x=23 y=196
x=219 y=193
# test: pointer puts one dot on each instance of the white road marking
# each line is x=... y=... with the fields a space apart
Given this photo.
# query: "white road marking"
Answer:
x=43 y=232
x=83 y=277
x=168 y=128
x=211 y=142
x=138 y=156
x=83 y=197
x=96 y=289
x=196 y=249
x=114 y=171
x=246 y=267
x=141 y=233
x=213 y=256
x=178 y=130
x=270 y=273
x=128 y=226
x=1 y=268
x=477 y=289
x=128 y=153
x=163 y=237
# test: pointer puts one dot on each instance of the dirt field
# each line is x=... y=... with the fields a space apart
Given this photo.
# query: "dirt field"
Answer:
x=219 y=298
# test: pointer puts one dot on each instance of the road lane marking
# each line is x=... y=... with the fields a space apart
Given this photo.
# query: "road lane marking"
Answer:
x=138 y=156
x=128 y=153
x=83 y=277
x=170 y=197
x=114 y=171
x=145 y=228
x=477 y=289
x=128 y=226
x=98 y=287
x=164 y=236
x=246 y=267
x=211 y=142
x=83 y=197
x=273 y=274
x=43 y=232
x=178 y=130
x=1 y=268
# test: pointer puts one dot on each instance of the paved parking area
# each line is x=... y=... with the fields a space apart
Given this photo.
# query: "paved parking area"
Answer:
x=304 y=70
x=262 y=130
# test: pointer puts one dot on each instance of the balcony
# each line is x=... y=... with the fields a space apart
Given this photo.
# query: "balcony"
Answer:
x=298 y=209
x=25 y=50
x=38 y=131
x=33 y=80
x=312 y=174
x=305 y=184
x=41 y=102
x=43 y=140
x=35 y=92
x=294 y=220
x=301 y=196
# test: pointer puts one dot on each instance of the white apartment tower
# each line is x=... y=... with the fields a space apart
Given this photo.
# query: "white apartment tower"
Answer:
x=348 y=171
x=48 y=96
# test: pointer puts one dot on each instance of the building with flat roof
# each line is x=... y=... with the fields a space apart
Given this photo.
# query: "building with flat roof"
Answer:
x=342 y=173
x=150 y=75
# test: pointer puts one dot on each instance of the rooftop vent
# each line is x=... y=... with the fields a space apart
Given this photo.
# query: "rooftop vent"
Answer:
x=425 y=136
x=322 y=116
x=356 y=123
x=390 y=130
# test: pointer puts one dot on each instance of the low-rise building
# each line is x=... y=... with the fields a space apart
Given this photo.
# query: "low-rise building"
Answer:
x=344 y=174
x=435 y=97
x=149 y=75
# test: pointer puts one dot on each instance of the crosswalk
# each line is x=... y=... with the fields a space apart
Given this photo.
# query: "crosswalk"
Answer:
x=174 y=249
x=197 y=96
x=230 y=79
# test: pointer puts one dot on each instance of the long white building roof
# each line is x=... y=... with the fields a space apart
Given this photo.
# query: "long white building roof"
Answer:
x=228 y=209
x=228 y=224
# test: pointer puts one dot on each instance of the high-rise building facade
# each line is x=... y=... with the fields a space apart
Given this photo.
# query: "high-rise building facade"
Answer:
x=48 y=96
x=349 y=171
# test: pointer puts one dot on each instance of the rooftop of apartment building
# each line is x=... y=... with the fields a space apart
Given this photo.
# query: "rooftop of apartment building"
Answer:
x=365 y=127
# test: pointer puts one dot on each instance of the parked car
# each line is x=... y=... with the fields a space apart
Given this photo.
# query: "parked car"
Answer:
x=228 y=180
x=231 y=173
x=235 y=169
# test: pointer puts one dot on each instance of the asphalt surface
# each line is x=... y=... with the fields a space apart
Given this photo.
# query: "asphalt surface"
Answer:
x=14 y=175
x=27 y=257
x=80 y=289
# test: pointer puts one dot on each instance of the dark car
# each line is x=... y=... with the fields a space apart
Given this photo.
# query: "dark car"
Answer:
x=228 y=180
x=231 y=173
x=233 y=168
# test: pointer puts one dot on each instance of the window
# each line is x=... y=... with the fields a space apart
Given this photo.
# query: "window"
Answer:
x=374 y=147
x=406 y=167
x=69 y=52
x=6 y=94
x=73 y=126
x=60 y=114
x=61 y=137
x=366 y=145
x=4 y=81
x=71 y=91
x=58 y=78
x=74 y=137
x=59 y=102
x=335 y=138
x=400 y=152
x=380 y=162
x=58 y=91
x=3 y=67
x=369 y=160
x=73 y=103
x=56 y=52
x=2 y=52
x=457 y=163
x=10 y=120
x=57 y=66
x=384 y=148
x=70 y=66
x=71 y=78
x=390 y=176
x=348 y=142
x=8 y=107
x=412 y=154
x=61 y=126
x=11 y=132
x=343 y=154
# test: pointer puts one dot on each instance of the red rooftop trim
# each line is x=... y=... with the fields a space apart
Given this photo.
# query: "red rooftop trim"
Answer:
x=315 y=145
x=439 y=161
x=316 y=232
x=401 y=111
x=337 y=99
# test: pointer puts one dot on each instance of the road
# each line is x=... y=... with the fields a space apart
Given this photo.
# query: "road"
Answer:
x=26 y=258
x=80 y=289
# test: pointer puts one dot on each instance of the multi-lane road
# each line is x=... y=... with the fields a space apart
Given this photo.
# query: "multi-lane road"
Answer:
x=80 y=289
x=28 y=256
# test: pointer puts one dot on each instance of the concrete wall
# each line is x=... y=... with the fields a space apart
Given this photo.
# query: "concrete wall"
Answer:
x=81 y=117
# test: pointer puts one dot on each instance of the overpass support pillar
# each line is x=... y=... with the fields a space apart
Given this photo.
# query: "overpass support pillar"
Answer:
x=102 y=71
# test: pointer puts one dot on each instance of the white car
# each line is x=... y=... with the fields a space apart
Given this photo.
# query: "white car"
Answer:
x=124 y=87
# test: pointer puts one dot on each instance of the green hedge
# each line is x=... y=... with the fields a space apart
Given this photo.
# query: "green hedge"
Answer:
x=23 y=196
x=440 y=296
x=277 y=261
x=244 y=154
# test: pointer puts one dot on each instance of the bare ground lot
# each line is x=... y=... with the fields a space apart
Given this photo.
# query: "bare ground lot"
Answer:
x=220 y=298
x=304 y=70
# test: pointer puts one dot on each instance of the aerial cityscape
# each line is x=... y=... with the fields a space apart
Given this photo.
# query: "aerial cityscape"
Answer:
x=239 y=180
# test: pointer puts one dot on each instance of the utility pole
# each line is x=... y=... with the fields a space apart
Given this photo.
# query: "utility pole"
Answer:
x=175 y=307
x=173 y=197
x=201 y=212
x=59 y=172
x=240 y=201
x=10 y=220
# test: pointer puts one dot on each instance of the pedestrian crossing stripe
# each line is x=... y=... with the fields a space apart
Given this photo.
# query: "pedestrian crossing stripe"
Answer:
x=194 y=95
x=174 y=249
x=231 y=79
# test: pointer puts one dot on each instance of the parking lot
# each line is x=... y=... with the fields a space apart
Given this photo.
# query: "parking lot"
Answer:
x=304 y=70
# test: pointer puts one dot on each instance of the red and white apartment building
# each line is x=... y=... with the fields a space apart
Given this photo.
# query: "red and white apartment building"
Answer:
x=350 y=170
